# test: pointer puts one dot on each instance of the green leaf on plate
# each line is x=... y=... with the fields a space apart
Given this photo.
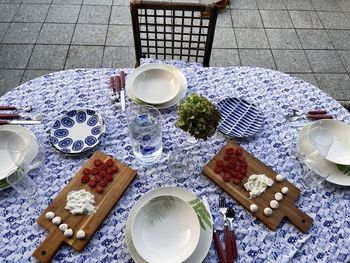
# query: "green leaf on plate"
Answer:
x=202 y=213
x=158 y=208
x=345 y=169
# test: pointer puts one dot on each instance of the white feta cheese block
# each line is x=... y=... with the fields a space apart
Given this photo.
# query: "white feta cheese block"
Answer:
x=278 y=196
x=68 y=233
x=253 y=208
x=81 y=202
x=50 y=215
x=268 y=211
x=80 y=234
x=285 y=190
x=56 y=220
x=63 y=227
x=257 y=184
x=279 y=178
x=274 y=204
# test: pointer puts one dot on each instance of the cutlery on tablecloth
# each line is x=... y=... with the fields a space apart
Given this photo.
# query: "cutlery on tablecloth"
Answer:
x=122 y=90
x=230 y=214
x=3 y=122
x=5 y=116
x=228 y=245
x=112 y=85
x=218 y=246
x=312 y=115
x=26 y=108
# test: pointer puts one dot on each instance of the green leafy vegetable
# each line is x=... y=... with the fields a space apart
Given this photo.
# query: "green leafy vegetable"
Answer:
x=198 y=116
x=345 y=169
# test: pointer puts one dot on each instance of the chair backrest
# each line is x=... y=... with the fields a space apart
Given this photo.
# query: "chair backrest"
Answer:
x=165 y=30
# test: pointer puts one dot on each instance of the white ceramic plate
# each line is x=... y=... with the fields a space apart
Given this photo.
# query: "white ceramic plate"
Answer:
x=318 y=162
x=331 y=138
x=206 y=234
x=165 y=229
x=4 y=172
x=155 y=86
x=177 y=73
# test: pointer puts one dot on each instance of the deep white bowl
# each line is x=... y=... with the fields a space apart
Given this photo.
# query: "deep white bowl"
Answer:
x=166 y=229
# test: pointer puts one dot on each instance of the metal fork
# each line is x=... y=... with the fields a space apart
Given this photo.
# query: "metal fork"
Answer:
x=228 y=245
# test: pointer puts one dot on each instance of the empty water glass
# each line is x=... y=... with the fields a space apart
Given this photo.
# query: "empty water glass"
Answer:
x=179 y=164
x=20 y=181
x=317 y=172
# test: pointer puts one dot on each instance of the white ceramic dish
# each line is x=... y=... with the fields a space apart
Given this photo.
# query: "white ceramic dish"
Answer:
x=165 y=229
x=206 y=234
x=318 y=162
x=177 y=73
x=7 y=165
x=331 y=138
x=155 y=86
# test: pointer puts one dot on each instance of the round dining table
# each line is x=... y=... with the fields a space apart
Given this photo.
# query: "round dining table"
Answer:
x=274 y=93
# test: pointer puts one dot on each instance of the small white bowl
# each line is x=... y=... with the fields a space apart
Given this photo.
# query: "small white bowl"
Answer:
x=166 y=229
x=156 y=86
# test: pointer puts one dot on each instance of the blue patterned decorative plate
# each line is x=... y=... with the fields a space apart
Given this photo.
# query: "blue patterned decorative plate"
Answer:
x=239 y=118
x=77 y=131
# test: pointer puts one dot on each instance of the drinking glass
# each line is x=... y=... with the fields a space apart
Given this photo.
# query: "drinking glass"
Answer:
x=21 y=182
x=179 y=163
x=317 y=172
x=145 y=132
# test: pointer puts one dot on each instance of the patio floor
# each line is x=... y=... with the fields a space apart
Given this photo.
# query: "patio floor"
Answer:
x=306 y=38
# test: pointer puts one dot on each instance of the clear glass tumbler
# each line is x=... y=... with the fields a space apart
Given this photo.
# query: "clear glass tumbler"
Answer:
x=179 y=164
x=145 y=132
x=24 y=185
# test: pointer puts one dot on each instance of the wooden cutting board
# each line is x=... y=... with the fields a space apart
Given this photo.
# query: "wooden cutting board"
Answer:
x=286 y=206
x=104 y=203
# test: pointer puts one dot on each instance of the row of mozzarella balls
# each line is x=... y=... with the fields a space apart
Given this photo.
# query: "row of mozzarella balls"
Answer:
x=68 y=232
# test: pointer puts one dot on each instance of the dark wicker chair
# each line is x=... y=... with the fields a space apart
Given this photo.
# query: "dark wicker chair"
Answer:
x=165 y=30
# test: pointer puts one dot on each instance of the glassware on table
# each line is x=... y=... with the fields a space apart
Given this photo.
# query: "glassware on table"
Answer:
x=21 y=182
x=145 y=132
x=179 y=164
x=317 y=172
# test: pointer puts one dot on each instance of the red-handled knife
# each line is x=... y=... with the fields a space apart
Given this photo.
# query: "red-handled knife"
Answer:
x=228 y=244
x=9 y=116
x=219 y=248
x=319 y=116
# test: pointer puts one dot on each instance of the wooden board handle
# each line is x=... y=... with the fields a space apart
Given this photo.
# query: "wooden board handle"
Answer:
x=301 y=220
x=47 y=249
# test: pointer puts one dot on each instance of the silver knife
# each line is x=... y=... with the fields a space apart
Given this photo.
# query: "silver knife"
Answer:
x=3 y=122
x=122 y=91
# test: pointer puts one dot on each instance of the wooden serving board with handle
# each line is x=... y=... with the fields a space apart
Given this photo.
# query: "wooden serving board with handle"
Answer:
x=89 y=223
x=286 y=206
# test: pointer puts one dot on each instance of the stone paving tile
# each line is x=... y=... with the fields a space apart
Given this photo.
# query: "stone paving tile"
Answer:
x=8 y=12
x=224 y=58
x=276 y=19
x=120 y=36
x=344 y=5
x=251 y=38
x=336 y=85
x=3 y=29
x=305 y=19
x=36 y=1
x=224 y=19
x=31 y=74
x=98 y=2
x=94 y=14
x=84 y=57
x=117 y=57
x=325 y=61
x=270 y=4
x=242 y=4
x=345 y=58
x=340 y=38
x=314 y=39
x=291 y=61
x=22 y=33
x=120 y=15
x=52 y=33
x=9 y=79
x=10 y=1
x=326 y=5
x=257 y=58
x=298 y=4
x=121 y=2
x=67 y=2
x=334 y=20
x=224 y=38
x=283 y=39
x=310 y=78
x=86 y=34
x=246 y=18
x=48 y=57
x=32 y=13
x=14 y=56
x=63 y=13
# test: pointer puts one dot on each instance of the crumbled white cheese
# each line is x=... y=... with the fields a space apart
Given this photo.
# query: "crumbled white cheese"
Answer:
x=274 y=204
x=81 y=202
x=257 y=184
x=63 y=227
x=81 y=234
x=56 y=220
x=50 y=215
x=279 y=178
x=285 y=190
x=278 y=196
x=68 y=233
x=253 y=208
x=268 y=211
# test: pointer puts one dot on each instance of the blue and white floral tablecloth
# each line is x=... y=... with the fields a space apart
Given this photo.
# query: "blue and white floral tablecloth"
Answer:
x=273 y=92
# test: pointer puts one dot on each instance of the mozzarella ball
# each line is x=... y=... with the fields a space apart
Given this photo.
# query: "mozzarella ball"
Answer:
x=81 y=234
x=274 y=204
x=268 y=211
x=68 y=233
x=56 y=220
x=50 y=215
x=63 y=227
x=278 y=196
x=285 y=190
x=253 y=208
x=279 y=178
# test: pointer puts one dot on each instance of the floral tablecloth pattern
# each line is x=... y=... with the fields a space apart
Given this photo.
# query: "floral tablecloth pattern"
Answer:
x=274 y=93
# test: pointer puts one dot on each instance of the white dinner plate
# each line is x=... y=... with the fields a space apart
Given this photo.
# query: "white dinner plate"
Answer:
x=177 y=73
x=206 y=234
x=7 y=166
x=318 y=162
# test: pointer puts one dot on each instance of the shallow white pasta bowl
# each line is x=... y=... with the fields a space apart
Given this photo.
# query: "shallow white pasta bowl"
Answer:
x=165 y=229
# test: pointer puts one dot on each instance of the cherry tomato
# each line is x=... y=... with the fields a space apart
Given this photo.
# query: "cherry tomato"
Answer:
x=86 y=171
x=227 y=177
x=98 y=178
x=98 y=162
x=114 y=168
x=232 y=164
x=225 y=169
x=230 y=151
x=241 y=158
x=239 y=152
x=227 y=157
x=92 y=183
x=235 y=174
x=243 y=164
x=95 y=171
x=217 y=170
x=109 y=178
x=98 y=189
x=109 y=171
x=219 y=163
x=243 y=170
x=103 y=166
x=85 y=179
x=236 y=181
x=110 y=162
x=103 y=183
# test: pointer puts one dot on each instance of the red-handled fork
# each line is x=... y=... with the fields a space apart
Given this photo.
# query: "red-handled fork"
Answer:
x=230 y=214
x=228 y=245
